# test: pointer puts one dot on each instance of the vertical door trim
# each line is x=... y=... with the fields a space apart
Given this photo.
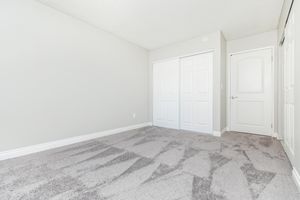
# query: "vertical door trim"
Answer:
x=229 y=64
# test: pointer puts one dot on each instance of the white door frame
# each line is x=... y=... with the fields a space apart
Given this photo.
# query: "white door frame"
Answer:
x=179 y=102
x=228 y=87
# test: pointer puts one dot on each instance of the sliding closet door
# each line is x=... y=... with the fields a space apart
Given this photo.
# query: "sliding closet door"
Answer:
x=166 y=94
x=289 y=81
x=196 y=96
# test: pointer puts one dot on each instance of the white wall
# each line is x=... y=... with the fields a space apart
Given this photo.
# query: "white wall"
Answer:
x=284 y=13
x=61 y=78
x=223 y=48
x=253 y=42
x=268 y=39
x=199 y=44
x=295 y=159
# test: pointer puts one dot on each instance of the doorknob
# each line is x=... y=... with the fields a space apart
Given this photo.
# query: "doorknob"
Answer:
x=234 y=97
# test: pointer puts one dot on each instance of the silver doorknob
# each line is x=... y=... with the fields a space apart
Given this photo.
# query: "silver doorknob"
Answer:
x=234 y=97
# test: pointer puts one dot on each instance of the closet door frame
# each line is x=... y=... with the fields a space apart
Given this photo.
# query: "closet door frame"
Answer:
x=212 y=51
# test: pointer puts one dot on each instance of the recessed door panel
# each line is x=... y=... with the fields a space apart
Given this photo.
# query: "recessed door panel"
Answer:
x=251 y=92
x=251 y=71
x=256 y=108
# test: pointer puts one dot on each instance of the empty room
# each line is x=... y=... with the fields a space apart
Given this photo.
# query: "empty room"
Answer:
x=150 y=100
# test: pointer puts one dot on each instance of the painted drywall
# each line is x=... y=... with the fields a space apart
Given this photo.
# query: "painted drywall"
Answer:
x=283 y=16
x=155 y=23
x=253 y=42
x=223 y=48
x=295 y=159
x=196 y=45
x=61 y=78
x=267 y=39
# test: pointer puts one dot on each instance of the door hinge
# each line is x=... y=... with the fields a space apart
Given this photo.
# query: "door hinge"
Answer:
x=271 y=125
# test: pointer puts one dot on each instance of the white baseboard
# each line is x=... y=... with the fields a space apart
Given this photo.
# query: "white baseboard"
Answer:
x=59 y=143
x=220 y=133
x=288 y=152
x=296 y=177
x=277 y=136
x=225 y=129
x=217 y=133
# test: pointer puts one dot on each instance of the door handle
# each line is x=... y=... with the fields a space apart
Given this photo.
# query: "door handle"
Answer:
x=234 y=97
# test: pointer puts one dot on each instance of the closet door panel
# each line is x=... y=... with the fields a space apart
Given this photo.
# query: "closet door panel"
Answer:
x=166 y=94
x=289 y=82
x=196 y=93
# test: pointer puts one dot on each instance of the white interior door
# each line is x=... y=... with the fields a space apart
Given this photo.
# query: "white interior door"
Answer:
x=166 y=94
x=196 y=102
x=251 y=92
x=289 y=81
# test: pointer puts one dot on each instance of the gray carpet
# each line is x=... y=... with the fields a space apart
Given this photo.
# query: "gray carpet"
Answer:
x=154 y=164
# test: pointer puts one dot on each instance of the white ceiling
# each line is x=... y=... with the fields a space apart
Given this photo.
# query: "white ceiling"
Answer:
x=155 y=23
